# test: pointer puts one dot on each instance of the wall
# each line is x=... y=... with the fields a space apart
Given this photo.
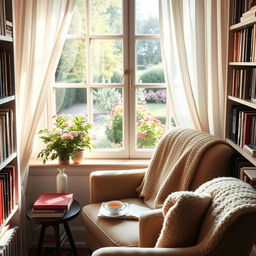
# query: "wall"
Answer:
x=42 y=179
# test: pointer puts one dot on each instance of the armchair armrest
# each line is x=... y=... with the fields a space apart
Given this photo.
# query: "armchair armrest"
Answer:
x=150 y=225
x=136 y=251
x=111 y=185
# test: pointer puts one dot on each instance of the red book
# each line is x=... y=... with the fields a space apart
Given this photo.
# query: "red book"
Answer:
x=11 y=169
x=1 y=202
x=54 y=201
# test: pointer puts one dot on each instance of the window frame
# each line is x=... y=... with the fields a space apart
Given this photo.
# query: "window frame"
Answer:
x=128 y=84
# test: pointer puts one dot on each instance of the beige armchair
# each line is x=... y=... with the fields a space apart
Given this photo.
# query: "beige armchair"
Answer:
x=215 y=161
x=228 y=226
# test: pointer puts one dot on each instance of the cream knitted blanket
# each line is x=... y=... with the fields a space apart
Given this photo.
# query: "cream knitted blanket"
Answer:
x=173 y=165
x=230 y=198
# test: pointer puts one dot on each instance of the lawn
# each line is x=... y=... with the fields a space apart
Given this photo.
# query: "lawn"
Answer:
x=157 y=109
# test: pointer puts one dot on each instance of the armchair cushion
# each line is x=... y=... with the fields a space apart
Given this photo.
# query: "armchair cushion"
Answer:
x=181 y=229
x=111 y=232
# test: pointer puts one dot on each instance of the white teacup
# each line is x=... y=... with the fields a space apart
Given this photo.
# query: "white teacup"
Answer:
x=114 y=207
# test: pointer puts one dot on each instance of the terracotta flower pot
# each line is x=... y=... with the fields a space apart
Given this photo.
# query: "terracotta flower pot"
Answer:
x=63 y=161
x=79 y=156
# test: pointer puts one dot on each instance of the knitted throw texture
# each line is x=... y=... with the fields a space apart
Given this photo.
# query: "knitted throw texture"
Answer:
x=230 y=198
x=174 y=163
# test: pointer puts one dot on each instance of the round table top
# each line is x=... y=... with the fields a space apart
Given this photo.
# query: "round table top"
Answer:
x=69 y=215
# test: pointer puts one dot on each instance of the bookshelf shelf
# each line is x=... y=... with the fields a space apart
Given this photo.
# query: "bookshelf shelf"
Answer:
x=6 y=221
x=244 y=24
x=251 y=64
x=6 y=38
x=247 y=103
x=7 y=99
x=242 y=152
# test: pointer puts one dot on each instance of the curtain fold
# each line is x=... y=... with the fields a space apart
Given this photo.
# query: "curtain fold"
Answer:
x=193 y=37
x=40 y=33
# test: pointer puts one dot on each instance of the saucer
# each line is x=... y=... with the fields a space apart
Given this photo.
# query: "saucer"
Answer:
x=105 y=212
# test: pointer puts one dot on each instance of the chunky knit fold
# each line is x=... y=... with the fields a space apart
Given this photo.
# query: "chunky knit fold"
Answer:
x=174 y=163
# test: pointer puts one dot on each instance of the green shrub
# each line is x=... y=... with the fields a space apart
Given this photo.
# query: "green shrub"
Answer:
x=162 y=119
x=106 y=98
x=152 y=75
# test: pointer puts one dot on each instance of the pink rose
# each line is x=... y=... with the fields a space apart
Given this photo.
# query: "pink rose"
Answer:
x=67 y=136
x=58 y=131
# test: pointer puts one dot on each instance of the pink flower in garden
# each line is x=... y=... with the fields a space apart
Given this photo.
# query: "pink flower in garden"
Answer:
x=112 y=112
x=142 y=136
x=156 y=121
x=67 y=136
x=147 y=118
x=139 y=123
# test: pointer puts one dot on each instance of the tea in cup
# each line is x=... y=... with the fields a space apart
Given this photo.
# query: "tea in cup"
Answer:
x=114 y=207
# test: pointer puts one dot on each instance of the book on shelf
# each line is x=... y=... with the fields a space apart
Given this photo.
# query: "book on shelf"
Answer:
x=6 y=74
x=54 y=201
x=1 y=202
x=8 y=28
x=243 y=83
x=249 y=176
x=244 y=45
x=239 y=163
x=2 y=17
x=242 y=125
x=241 y=9
x=7 y=191
x=251 y=149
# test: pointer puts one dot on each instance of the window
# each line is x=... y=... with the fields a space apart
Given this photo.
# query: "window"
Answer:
x=111 y=71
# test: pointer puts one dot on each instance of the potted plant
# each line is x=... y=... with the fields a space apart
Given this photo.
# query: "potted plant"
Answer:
x=68 y=136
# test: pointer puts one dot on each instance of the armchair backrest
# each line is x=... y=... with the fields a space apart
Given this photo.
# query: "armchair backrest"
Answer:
x=215 y=162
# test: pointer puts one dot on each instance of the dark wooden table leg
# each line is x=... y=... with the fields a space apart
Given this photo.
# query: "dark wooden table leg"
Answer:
x=57 y=237
x=40 y=241
x=70 y=238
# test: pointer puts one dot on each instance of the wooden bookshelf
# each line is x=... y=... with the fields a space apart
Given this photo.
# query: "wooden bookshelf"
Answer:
x=241 y=82
x=9 y=173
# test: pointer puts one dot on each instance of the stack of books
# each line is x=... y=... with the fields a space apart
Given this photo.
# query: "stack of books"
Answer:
x=52 y=205
x=251 y=13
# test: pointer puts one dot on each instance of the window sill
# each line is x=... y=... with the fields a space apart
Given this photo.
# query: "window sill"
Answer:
x=129 y=163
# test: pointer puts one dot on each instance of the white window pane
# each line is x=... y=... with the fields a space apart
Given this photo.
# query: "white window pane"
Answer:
x=147 y=20
x=72 y=64
x=106 y=17
x=107 y=59
x=78 y=22
x=149 y=67
x=150 y=116
x=108 y=117
x=71 y=101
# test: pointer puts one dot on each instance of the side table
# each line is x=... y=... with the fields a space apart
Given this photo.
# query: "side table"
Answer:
x=55 y=222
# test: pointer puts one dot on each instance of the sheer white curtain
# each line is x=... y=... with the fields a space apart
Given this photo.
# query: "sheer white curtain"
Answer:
x=40 y=31
x=194 y=48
